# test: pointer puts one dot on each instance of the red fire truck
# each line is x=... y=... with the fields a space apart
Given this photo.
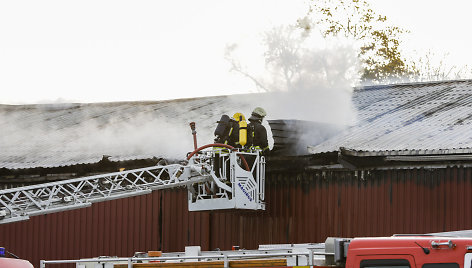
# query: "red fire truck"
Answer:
x=398 y=251
x=404 y=251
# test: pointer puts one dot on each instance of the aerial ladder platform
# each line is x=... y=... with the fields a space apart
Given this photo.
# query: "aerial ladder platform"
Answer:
x=217 y=176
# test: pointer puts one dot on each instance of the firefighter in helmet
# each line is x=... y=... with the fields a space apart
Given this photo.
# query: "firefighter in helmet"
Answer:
x=257 y=133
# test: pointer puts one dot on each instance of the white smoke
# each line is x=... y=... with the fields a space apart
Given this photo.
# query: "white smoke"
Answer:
x=308 y=77
x=304 y=77
x=65 y=134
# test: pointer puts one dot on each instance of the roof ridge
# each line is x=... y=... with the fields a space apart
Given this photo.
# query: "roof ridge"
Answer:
x=416 y=83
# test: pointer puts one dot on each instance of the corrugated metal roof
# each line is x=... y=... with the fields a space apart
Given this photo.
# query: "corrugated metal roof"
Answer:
x=54 y=135
x=402 y=119
x=418 y=118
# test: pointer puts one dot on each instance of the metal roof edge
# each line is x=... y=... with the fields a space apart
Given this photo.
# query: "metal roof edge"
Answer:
x=112 y=160
x=101 y=103
x=429 y=166
x=311 y=150
x=121 y=102
x=414 y=152
x=430 y=158
x=370 y=87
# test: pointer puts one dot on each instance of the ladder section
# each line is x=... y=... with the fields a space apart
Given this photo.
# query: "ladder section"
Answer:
x=19 y=203
x=215 y=179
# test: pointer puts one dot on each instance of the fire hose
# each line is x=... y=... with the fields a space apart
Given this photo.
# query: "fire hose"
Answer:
x=246 y=166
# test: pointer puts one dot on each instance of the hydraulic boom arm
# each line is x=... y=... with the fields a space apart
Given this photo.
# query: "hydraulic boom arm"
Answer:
x=20 y=203
x=210 y=186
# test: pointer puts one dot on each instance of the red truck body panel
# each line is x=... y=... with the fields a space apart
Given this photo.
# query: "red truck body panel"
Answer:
x=408 y=248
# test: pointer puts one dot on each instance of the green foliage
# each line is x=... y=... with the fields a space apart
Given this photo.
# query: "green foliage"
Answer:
x=378 y=41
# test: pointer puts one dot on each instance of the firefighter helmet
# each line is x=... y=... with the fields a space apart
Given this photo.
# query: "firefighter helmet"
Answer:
x=258 y=113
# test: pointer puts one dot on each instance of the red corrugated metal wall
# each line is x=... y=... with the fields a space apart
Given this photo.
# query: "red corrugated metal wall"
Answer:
x=301 y=207
x=118 y=227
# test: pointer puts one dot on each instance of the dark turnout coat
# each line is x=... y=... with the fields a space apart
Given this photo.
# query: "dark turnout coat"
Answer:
x=257 y=135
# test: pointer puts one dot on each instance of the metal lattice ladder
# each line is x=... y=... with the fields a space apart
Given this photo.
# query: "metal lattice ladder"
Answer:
x=20 y=203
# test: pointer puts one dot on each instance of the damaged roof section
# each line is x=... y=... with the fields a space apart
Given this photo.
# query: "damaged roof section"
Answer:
x=292 y=137
x=433 y=118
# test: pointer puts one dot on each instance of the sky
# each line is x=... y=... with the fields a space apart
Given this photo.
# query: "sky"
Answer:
x=122 y=50
x=439 y=26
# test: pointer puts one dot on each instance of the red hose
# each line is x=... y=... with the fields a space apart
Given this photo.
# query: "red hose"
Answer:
x=219 y=145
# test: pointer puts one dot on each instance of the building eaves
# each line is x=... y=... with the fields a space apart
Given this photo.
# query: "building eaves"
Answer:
x=411 y=152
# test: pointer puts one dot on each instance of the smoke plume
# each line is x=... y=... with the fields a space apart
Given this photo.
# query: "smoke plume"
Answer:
x=304 y=77
x=300 y=77
x=308 y=78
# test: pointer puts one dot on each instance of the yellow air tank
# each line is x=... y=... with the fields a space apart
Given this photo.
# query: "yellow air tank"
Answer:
x=239 y=117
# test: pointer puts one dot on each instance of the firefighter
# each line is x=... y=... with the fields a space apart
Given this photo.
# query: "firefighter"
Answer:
x=257 y=133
